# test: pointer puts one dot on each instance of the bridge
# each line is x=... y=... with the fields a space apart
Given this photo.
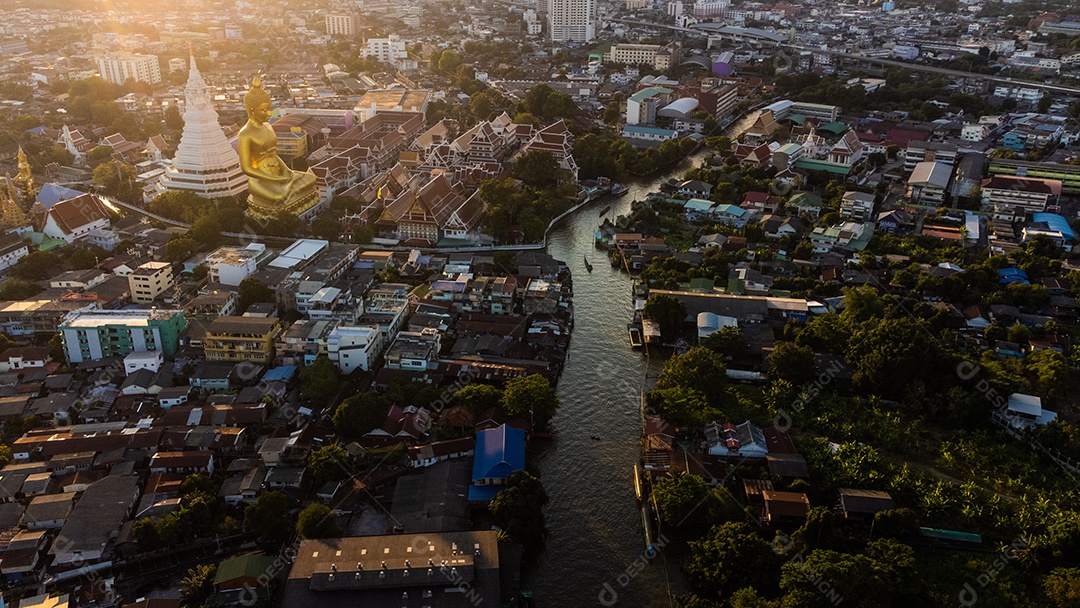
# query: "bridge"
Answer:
x=929 y=69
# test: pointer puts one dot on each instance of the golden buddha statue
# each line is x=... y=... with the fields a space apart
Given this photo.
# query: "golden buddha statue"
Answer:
x=272 y=186
x=25 y=178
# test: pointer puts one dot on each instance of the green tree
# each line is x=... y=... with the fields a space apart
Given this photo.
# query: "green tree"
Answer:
x=360 y=414
x=117 y=179
x=197 y=585
x=321 y=380
x=18 y=289
x=199 y=482
x=146 y=534
x=612 y=113
x=684 y=501
x=895 y=523
x=477 y=397
x=1062 y=587
x=1045 y=102
x=536 y=168
x=179 y=249
x=35 y=266
x=98 y=155
x=206 y=230
x=891 y=355
x=731 y=557
x=530 y=396
x=173 y=120
x=253 y=290
x=317 y=521
x=326 y=228
x=268 y=515
x=449 y=62
x=729 y=343
x=56 y=348
x=817 y=532
x=679 y=405
x=328 y=463
x=518 y=510
x=668 y=311
x=886 y=564
x=792 y=363
x=700 y=369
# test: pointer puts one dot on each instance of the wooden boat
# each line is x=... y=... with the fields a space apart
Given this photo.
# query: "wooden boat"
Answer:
x=635 y=338
x=588 y=266
x=604 y=210
x=646 y=528
x=619 y=189
x=637 y=482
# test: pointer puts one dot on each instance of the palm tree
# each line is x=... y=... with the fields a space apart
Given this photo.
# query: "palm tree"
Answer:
x=197 y=586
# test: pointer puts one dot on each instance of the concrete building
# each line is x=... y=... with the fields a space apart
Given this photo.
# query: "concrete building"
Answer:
x=1019 y=195
x=929 y=183
x=91 y=335
x=353 y=347
x=572 y=20
x=387 y=50
x=641 y=107
x=149 y=281
x=449 y=569
x=231 y=265
x=117 y=68
x=340 y=25
x=236 y=339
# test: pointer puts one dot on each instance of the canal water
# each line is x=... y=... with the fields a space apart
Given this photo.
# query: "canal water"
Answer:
x=595 y=554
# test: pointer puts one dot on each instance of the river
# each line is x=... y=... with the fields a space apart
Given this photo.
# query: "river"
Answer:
x=595 y=553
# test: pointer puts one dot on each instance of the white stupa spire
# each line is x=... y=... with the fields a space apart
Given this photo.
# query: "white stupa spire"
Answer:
x=205 y=162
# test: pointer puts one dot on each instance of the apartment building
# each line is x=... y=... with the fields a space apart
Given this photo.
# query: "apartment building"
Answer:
x=150 y=281
x=340 y=25
x=235 y=339
x=117 y=68
x=91 y=335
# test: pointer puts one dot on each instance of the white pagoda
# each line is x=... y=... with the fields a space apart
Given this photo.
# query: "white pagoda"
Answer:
x=205 y=162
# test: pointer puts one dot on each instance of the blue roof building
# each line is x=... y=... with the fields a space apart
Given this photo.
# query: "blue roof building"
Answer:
x=1013 y=275
x=499 y=452
x=50 y=194
x=282 y=373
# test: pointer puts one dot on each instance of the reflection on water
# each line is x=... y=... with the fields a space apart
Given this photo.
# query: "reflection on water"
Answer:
x=593 y=518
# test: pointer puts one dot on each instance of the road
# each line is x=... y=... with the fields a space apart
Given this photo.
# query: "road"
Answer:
x=918 y=67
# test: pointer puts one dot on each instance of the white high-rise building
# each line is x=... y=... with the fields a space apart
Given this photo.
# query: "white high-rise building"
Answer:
x=572 y=20
x=205 y=162
x=387 y=50
x=340 y=25
x=117 y=68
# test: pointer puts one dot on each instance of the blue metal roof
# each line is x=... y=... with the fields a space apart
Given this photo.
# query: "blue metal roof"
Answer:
x=499 y=452
x=50 y=194
x=1055 y=222
x=1012 y=275
x=282 y=372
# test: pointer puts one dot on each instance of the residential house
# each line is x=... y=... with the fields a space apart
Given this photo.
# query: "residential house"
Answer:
x=895 y=221
x=438 y=451
x=1026 y=411
x=785 y=508
x=745 y=440
x=864 y=504
x=857 y=206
